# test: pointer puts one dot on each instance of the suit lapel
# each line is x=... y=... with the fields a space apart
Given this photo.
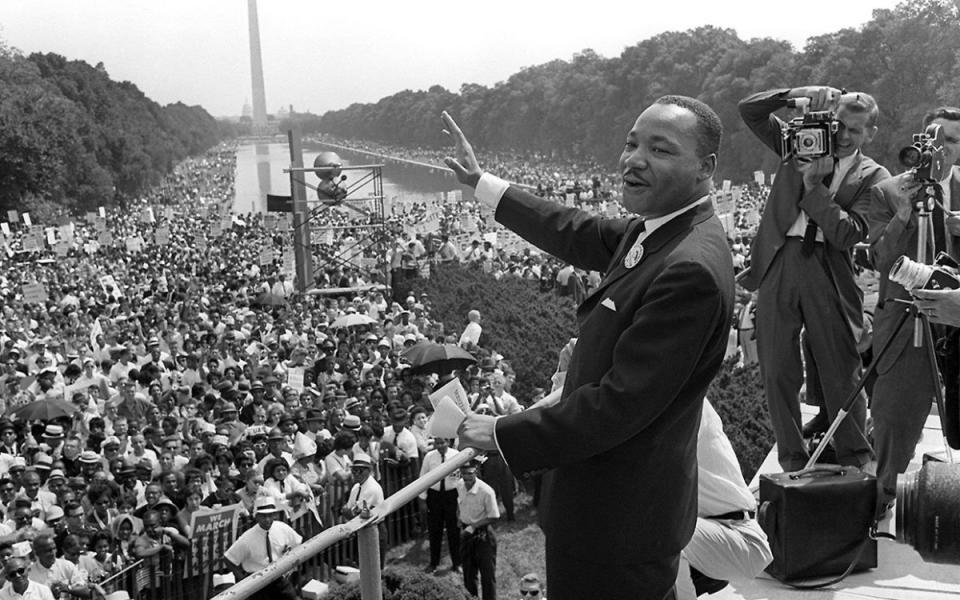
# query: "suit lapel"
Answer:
x=852 y=180
x=651 y=245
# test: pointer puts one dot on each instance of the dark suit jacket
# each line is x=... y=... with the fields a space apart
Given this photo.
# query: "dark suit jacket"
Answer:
x=890 y=239
x=622 y=441
x=843 y=219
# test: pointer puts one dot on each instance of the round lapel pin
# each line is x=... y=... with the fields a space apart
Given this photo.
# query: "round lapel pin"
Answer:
x=633 y=257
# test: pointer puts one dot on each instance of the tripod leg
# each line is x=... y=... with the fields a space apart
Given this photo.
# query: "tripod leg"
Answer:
x=848 y=404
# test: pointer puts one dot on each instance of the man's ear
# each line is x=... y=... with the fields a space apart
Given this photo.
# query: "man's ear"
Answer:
x=708 y=165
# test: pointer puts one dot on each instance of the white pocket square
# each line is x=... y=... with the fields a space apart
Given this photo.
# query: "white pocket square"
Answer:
x=608 y=302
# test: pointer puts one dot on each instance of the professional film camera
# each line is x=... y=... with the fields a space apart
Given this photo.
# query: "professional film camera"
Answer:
x=925 y=155
x=943 y=274
x=811 y=135
x=928 y=515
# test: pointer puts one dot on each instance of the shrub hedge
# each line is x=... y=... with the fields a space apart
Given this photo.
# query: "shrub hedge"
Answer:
x=406 y=583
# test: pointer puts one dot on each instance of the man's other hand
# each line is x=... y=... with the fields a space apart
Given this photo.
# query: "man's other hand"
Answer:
x=941 y=306
x=476 y=431
x=465 y=165
x=814 y=170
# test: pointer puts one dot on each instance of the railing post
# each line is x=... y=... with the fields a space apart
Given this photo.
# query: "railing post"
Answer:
x=368 y=540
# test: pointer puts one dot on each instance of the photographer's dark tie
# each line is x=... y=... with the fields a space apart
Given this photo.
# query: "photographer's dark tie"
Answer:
x=810 y=233
x=939 y=230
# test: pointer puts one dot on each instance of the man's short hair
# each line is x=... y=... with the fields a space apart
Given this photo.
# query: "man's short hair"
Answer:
x=530 y=578
x=709 y=126
x=860 y=102
x=949 y=113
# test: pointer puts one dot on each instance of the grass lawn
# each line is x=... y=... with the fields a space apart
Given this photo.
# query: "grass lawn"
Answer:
x=519 y=550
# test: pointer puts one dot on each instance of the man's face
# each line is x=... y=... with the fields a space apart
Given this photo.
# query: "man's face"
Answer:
x=15 y=571
x=659 y=164
x=469 y=476
x=951 y=140
x=151 y=525
x=265 y=520
x=854 y=131
x=31 y=484
x=45 y=550
x=529 y=591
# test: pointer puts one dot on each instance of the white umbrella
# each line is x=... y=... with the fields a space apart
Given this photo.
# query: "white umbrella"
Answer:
x=352 y=320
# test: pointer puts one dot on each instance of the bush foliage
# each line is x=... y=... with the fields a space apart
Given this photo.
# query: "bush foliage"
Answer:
x=406 y=583
x=524 y=325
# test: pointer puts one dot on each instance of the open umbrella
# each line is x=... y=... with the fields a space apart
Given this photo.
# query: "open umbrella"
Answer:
x=430 y=357
x=351 y=320
x=268 y=299
x=43 y=410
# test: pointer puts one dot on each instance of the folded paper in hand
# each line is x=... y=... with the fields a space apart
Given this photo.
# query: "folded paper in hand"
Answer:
x=446 y=418
x=454 y=390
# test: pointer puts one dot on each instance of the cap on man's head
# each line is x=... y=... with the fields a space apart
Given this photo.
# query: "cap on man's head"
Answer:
x=89 y=457
x=352 y=422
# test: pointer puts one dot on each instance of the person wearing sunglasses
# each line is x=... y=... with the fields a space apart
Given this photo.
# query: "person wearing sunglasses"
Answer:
x=15 y=570
x=531 y=588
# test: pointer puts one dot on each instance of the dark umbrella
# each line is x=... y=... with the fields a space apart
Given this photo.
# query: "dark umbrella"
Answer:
x=268 y=299
x=430 y=357
x=43 y=410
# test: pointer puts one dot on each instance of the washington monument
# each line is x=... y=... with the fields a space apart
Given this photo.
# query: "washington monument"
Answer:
x=256 y=72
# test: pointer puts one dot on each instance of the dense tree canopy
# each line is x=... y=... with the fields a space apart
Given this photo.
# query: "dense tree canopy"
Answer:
x=907 y=57
x=71 y=135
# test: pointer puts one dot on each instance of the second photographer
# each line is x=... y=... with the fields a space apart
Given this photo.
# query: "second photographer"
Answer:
x=801 y=257
x=905 y=387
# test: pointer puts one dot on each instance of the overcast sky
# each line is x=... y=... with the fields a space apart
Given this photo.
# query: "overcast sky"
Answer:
x=318 y=56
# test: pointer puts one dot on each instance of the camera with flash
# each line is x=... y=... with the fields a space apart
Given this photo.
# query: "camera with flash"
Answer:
x=811 y=135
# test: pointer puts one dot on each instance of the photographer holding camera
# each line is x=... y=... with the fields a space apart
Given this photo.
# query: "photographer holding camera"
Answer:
x=801 y=261
x=904 y=390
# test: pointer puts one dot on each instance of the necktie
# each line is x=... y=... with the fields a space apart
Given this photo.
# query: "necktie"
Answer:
x=939 y=231
x=269 y=549
x=810 y=233
x=443 y=487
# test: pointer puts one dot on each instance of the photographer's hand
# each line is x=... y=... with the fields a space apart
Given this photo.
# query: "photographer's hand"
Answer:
x=465 y=165
x=814 y=171
x=941 y=306
x=822 y=97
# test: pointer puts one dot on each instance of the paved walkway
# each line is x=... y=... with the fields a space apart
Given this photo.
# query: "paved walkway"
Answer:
x=900 y=575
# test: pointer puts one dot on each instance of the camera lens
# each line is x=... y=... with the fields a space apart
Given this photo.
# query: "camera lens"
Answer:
x=928 y=512
x=808 y=142
x=909 y=157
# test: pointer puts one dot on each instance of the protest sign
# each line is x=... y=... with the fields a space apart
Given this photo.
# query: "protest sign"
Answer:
x=453 y=390
x=34 y=293
x=26 y=219
x=5 y=227
x=207 y=525
x=162 y=236
x=266 y=256
x=32 y=243
x=727 y=184
x=758 y=177
x=105 y=238
x=295 y=378
x=102 y=211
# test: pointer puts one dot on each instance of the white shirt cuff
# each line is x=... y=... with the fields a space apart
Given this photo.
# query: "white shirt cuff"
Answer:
x=490 y=189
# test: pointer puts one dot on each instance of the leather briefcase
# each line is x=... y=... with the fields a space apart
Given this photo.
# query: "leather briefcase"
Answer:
x=817 y=520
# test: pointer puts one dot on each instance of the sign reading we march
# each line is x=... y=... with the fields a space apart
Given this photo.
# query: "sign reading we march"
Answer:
x=212 y=523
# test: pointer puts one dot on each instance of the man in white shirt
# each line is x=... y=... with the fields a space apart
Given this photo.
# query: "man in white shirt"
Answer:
x=261 y=545
x=401 y=437
x=365 y=495
x=59 y=574
x=471 y=333
x=18 y=586
x=478 y=510
x=441 y=500
x=728 y=543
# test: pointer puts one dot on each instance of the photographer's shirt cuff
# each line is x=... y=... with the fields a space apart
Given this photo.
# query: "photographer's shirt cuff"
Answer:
x=489 y=190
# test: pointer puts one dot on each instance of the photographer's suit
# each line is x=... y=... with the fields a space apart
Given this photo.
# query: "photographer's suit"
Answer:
x=904 y=387
x=816 y=292
x=621 y=500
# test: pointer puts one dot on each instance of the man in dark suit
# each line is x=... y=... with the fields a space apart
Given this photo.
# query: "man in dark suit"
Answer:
x=802 y=266
x=620 y=499
x=904 y=387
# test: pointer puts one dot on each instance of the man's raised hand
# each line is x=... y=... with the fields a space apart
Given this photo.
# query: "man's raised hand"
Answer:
x=465 y=165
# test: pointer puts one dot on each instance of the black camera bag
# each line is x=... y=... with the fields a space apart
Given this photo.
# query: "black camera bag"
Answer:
x=818 y=520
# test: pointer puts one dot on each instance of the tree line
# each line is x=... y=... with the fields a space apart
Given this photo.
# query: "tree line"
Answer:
x=71 y=136
x=907 y=57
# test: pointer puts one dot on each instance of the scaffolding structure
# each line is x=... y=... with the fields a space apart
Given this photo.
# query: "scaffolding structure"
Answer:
x=376 y=236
